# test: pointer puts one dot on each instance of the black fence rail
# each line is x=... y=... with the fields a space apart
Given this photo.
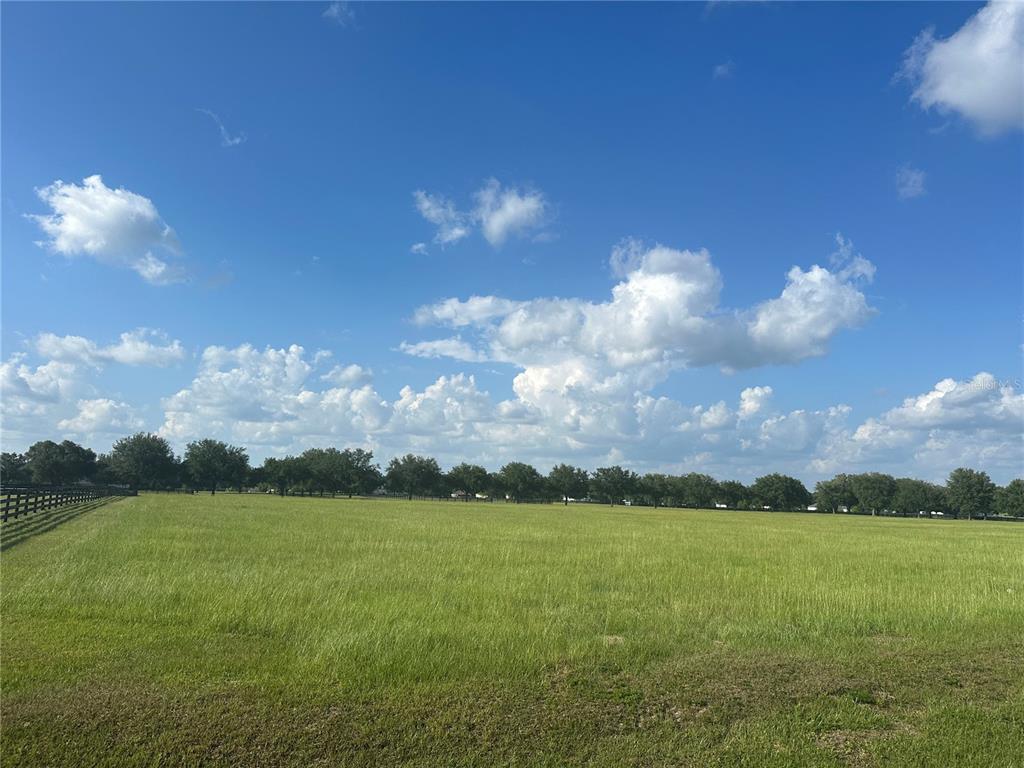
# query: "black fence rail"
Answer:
x=21 y=500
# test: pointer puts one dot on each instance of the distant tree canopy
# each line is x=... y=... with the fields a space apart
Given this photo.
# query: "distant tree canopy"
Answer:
x=142 y=461
x=874 y=491
x=211 y=464
x=51 y=463
x=655 y=488
x=835 y=494
x=732 y=493
x=693 y=490
x=568 y=482
x=913 y=497
x=613 y=484
x=146 y=461
x=14 y=468
x=414 y=476
x=468 y=479
x=328 y=470
x=970 y=493
x=780 y=492
x=281 y=474
x=1010 y=500
x=521 y=481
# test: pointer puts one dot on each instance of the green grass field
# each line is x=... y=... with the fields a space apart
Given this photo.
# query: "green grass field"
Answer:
x=253 y=630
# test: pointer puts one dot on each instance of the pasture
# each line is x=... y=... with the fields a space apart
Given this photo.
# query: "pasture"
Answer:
x=259 y=630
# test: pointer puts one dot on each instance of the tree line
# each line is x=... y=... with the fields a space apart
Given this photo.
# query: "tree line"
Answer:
x=146 y=462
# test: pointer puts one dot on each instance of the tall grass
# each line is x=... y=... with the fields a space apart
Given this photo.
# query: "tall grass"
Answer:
x=354 y=593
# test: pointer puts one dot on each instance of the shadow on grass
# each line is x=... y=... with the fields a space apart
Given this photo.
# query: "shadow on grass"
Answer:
x=22 y=529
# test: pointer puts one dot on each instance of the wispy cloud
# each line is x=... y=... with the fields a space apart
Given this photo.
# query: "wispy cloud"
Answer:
x=724 y=70
x=910 y=182
x=499 y=213
x=226 y=139
x=340 y=13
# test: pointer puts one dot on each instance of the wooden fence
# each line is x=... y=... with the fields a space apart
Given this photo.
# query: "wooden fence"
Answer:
x=20 y=500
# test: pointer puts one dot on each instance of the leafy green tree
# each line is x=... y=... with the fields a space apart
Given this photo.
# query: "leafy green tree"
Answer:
x=613 y=484
x=413 y=475
x=678 y=490
x=655 y=488
x=362 y=476
x=915 y=496
x=14 y=469
x=495 y=487
x=699 y=490
x=283 y=473
x=55 y=464
x=80 y=462
x=521 y=481
x=568 y=482
x=212 y=463
x=778 y=491
x=970 y=492
x=469 y=479
x=835 y=494
x=143 y=460
x=326 y=470
x=103 y=474
x=1010 y=500
x=874 y=491
x=732 y=493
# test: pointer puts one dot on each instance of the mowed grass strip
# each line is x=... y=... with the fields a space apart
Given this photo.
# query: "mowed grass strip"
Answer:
x=170 y=629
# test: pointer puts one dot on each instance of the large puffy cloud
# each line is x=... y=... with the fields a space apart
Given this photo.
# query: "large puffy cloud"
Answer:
x=58 y=397
x=586 y=368
x=277 y=401
x=113 y=226
x=664 y=313
x=973 y=422
x=753 y=400
x=26 y=388
x=978 y=72
x=261 y=398
x=143 y=346
x=499 y=213
x=347 y=375
x=102 y=416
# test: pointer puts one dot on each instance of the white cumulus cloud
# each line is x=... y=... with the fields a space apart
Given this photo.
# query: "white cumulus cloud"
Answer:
x=978 y=72
x=977 y=422
x=753 y=400
x=113 y=226
x=265 y=398
x=142 y=346
x=102 y=416
x=664 y=313
x=499 y=213
x=506 y=212
x=345 y=375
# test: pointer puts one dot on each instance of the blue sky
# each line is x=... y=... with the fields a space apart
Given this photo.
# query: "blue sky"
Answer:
x=659 y=169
